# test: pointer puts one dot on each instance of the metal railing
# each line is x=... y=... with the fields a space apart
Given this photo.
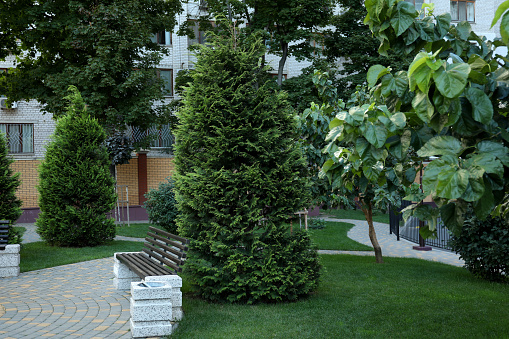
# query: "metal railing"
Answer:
x=410 y=230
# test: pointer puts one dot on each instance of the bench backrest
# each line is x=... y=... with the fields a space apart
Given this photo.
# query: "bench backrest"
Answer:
x=4 y=233
x=169 y=249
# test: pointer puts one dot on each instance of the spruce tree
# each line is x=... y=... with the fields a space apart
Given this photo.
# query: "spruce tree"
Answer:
x=10 y=205
x=239 y=174
x=76 y=188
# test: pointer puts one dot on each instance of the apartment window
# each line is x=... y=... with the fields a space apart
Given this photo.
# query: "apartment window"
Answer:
x=199 y=36
x=317 y=43
x=167 y=76
x=20 y=137
x=463 y=10
x=162 y=38
x=162 y=136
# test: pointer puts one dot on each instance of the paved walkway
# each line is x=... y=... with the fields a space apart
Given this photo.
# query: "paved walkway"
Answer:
x=79 y=300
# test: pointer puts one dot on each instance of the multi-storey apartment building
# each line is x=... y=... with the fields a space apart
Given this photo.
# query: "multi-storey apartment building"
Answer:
x=28 y=129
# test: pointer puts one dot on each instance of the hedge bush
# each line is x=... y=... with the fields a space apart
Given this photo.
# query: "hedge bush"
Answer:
x=239 y=174
x=76 y=187
x=484 y=245
x=161 y=206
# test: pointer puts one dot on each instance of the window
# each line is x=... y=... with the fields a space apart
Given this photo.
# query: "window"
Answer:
x=20 y=137
x=162 y=135
x=317 y=43
x=463 y=10
x=162 y=38
x=199 y=36
x=167 y=76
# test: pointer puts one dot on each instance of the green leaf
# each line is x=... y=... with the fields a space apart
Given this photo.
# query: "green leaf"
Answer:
x=452 y=81
x=496 y=149
x=500 y=10
x=374 y=73
x=371 y=173
x=434 y=169
x=463 y=28
x=441 y=145
x=475 y=189
x=423 y=106
x=335 y=134
x=452 y=183
x=452 y=216
x=335 y=123
x=482 y=108
x=419 y=73
x=401 y=83
x=486 y=203
x=399 y=120
x=443 y=22
x=403 y=17
x=504 y=28
x=327 y=165
x=486 y=161
x=376 y=134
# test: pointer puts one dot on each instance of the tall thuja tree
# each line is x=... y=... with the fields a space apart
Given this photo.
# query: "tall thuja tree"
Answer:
x=10 y=204
x=239 y=175
x=76 y=188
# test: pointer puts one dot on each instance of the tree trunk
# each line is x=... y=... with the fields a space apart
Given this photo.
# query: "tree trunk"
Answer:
x=367 y=208
x=284 y=48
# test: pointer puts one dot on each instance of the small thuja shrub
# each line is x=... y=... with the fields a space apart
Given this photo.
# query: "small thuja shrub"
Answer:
x=239 y=174
x=76 y=187
x=161 y=206
x=484 y=245
x=10 y=205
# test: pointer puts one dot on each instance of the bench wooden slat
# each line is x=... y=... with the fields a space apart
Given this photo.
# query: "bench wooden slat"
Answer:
x=169 y=235
x=157 y=254
x=142 y=265
x=167 y=241
x=177 y=253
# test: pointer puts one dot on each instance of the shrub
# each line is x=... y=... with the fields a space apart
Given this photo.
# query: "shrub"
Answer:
x=239 y=175
x=316 y=223
x=161 y=206
x=10 y=205
x=76 y=187
x=484 y=245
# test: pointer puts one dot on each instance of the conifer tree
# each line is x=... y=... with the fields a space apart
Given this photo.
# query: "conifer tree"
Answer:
x=10 y=205
x=76 y=188
x=239 y=174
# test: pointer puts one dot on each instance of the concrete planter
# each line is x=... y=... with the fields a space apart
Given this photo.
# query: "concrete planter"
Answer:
x=9 y=261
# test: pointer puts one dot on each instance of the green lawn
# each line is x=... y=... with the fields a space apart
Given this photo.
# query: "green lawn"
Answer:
x=403 y=298
x=354 y=214
x=334 y=237
x=137 y=230
x=38 y=255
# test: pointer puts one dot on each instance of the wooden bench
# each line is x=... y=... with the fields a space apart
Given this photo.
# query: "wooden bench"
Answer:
x=163 y=254
x=4 y=233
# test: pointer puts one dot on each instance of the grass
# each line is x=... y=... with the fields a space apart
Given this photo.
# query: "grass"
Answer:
x=137 y=230
x=39 y=255
x=403 y=298
x=334 y=237
x=355 y=215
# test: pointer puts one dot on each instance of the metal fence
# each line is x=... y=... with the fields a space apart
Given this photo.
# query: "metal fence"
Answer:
x=410 y=229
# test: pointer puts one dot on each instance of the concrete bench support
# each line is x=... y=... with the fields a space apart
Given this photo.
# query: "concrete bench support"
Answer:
x=9 y=261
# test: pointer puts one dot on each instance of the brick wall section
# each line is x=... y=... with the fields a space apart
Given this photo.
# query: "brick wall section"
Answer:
x=128 y=175
x=27 y=192
x=158 y=169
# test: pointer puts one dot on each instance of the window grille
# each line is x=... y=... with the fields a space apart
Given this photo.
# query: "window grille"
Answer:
x=20 y=137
